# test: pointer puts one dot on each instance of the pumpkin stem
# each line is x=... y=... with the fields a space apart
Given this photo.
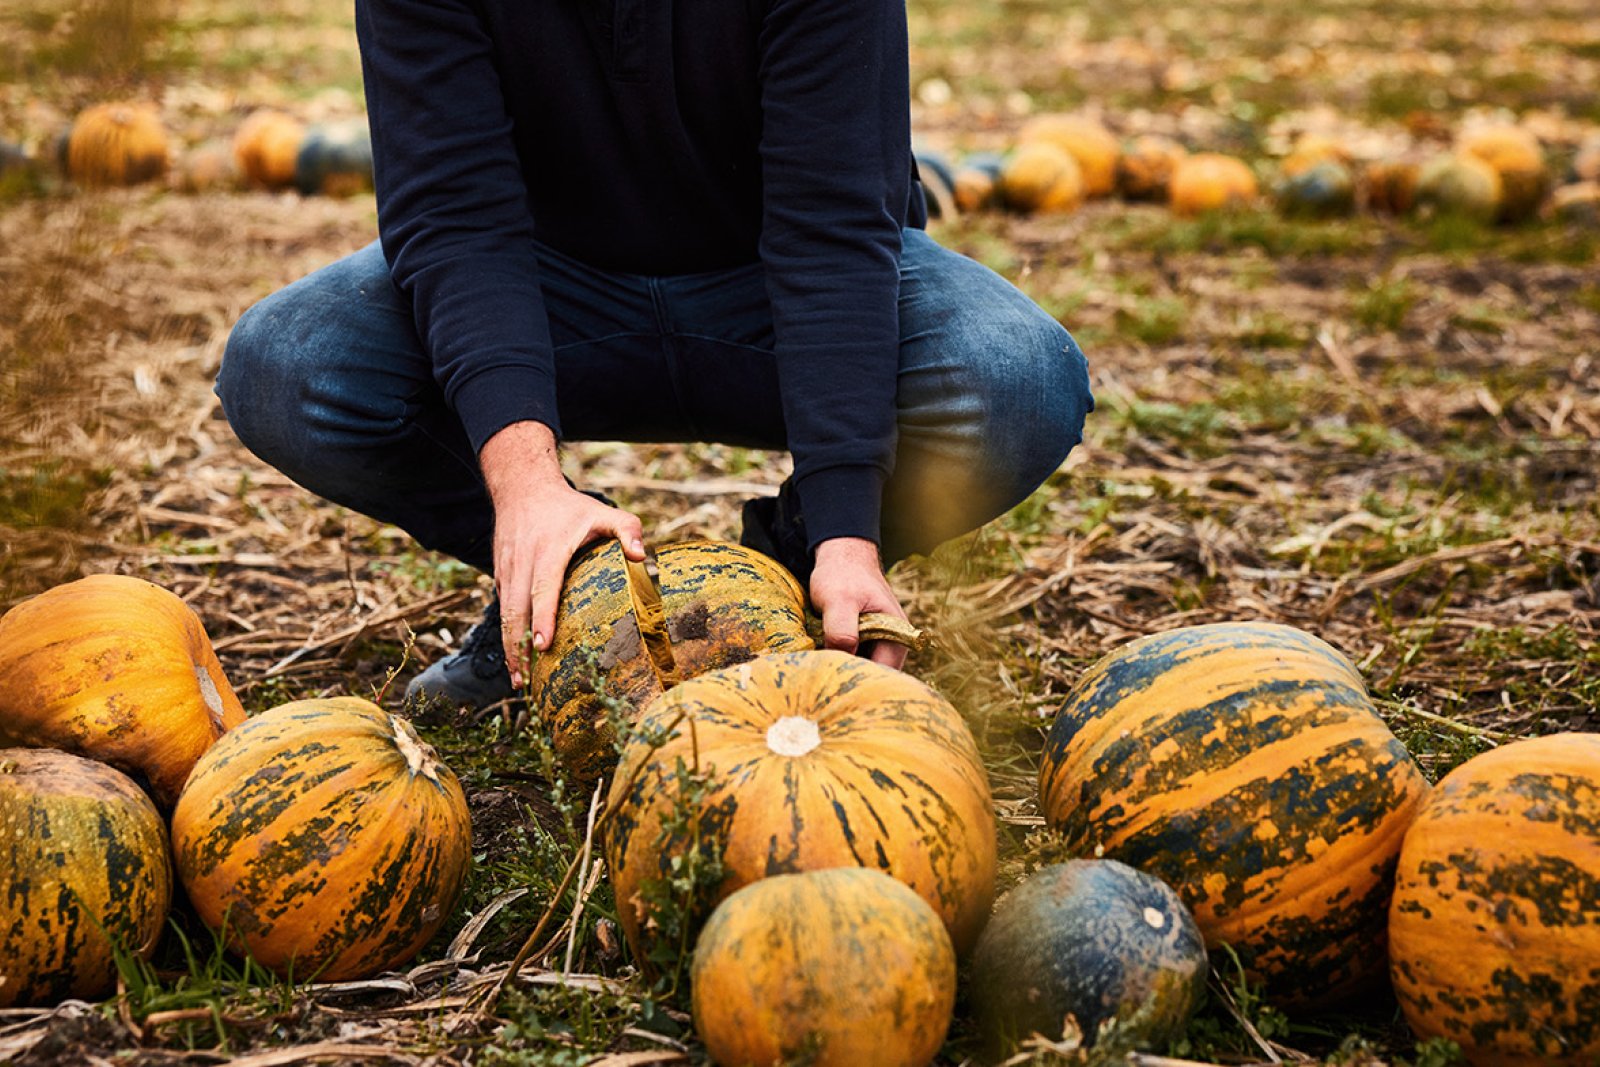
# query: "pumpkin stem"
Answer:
x=793 y=735
x=211 y=697
x=420 y=757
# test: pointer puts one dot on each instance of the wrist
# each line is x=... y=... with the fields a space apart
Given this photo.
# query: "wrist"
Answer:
x=857 y=551
x=520 y=457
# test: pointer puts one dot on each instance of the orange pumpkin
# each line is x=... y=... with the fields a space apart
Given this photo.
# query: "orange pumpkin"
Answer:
x=325 y=838
x=720 y=604
x=86 y=874
x=1391 y=185
x=1517 y=157
x=266 y=147
x=1244 y=765
x=1041 y=178
x=117 y=669
x=207 y=168
x=1494 y=934
x=1089 y=143
x=839 y=968
x=1145 y=169
x=811 y=760
x=1209 y=181
x=117 y=144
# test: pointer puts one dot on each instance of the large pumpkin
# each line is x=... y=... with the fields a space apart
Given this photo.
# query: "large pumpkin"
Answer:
x=1041 y=178
x=1085 y=140
x=325 y=838
x=117 y=144
x=1494 y=935
x=1092 y=949
x=267 y=146
x=719 y=604
x=1244 y=765
x=84 y=855
x=836 y=968
x=334 y=160
x=117 y=669
x=810 y=760
x=1517 y=157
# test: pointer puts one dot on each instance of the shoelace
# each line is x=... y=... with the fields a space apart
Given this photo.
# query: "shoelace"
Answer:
x=482 y=645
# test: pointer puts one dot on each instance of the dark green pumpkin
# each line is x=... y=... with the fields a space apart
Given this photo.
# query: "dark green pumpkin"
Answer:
x=1323 y=190
x=334 y=160
x=1092 y=947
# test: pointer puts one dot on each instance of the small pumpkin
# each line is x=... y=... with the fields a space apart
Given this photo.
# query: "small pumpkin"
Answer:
x=1244 y=765
x=938 y=183
x=1517 y=157
x=1041 y=178
x=1088 y=142
x=1577 y=204
x=1210 y=181
x=117 y=669
x=977 y=181
x=209 y=167
x=334 y=160
x=1460 y=186
x=1144 y=170
x=324 y=838
x=266 y=147
x=839 y=967
x=117 y=144
x=1391 y=185
x=1322 y=190
x=86 y=873
x=720 y=604
x=1314 y=149
x=809 y=760
x=1494 y=933
x=1090 y=949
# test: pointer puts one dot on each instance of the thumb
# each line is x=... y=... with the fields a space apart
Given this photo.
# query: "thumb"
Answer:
x=626 y=528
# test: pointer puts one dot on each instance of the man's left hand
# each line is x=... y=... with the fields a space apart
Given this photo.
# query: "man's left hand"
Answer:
x=847 y=582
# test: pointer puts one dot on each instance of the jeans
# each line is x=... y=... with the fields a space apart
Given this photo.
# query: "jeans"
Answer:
x=326 y=381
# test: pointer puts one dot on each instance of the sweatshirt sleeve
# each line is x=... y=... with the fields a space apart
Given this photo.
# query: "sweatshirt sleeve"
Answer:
x=835 y=159
x=453 y=210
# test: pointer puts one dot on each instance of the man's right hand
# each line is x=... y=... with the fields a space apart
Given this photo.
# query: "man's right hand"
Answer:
x=540 y=523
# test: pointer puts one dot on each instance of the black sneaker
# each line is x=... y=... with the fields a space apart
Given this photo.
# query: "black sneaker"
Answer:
x=475 y=675
x=774 y=527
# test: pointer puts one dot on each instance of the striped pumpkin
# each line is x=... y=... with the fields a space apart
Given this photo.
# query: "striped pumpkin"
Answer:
x=720 y=604
x=325 y=838
x=834 y=968
x=119 y=670
x=84 y=855
x=811 y=760
x=1494 y=934
x=1244 y=765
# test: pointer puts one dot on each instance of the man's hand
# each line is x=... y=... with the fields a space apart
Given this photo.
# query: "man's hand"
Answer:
x=540 y=522
x=846 y=582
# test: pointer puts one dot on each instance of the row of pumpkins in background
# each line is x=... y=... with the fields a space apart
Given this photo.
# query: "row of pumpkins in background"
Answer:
x=126 y=143
x=1494 y=174
x=1232 y=781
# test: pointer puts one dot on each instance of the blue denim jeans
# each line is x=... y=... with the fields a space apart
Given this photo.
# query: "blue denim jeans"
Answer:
x=326 y=381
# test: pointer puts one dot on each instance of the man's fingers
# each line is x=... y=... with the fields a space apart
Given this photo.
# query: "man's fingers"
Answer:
x=513 y=593
x=629 y=531
x=888 y=653
x=544 y=596
x=841 y=627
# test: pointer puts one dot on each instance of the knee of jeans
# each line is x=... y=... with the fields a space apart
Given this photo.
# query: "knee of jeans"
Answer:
x=1037 y=398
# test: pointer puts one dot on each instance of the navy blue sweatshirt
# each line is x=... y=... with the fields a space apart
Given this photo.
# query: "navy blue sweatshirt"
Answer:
x=654 y=137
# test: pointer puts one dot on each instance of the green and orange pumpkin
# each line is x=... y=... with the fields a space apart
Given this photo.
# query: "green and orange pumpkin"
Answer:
x=616 y=648
x=1144 y=170
x=805 y=760
x=86 y=875
x=1244 y=765
x=335 y=159
x=1518 y=159
x=324 y=839
x=1494 y=933
x=1089 y=950
x=1460 y=186
x=117 y=669
x=836 y=968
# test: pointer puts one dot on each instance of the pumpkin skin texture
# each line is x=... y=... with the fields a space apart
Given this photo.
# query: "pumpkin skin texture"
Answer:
x=721 y=604
x=846 y=965
x=1244 y=765
x=1494 y=934
x=266 y=146
x=1209 y=181
x=1096 y=942
x=1041 y=179
x=85 y=856
x=1089 y=143
x=325 y=838
x=815 y=760
x=117 y=144
x=117 y=669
